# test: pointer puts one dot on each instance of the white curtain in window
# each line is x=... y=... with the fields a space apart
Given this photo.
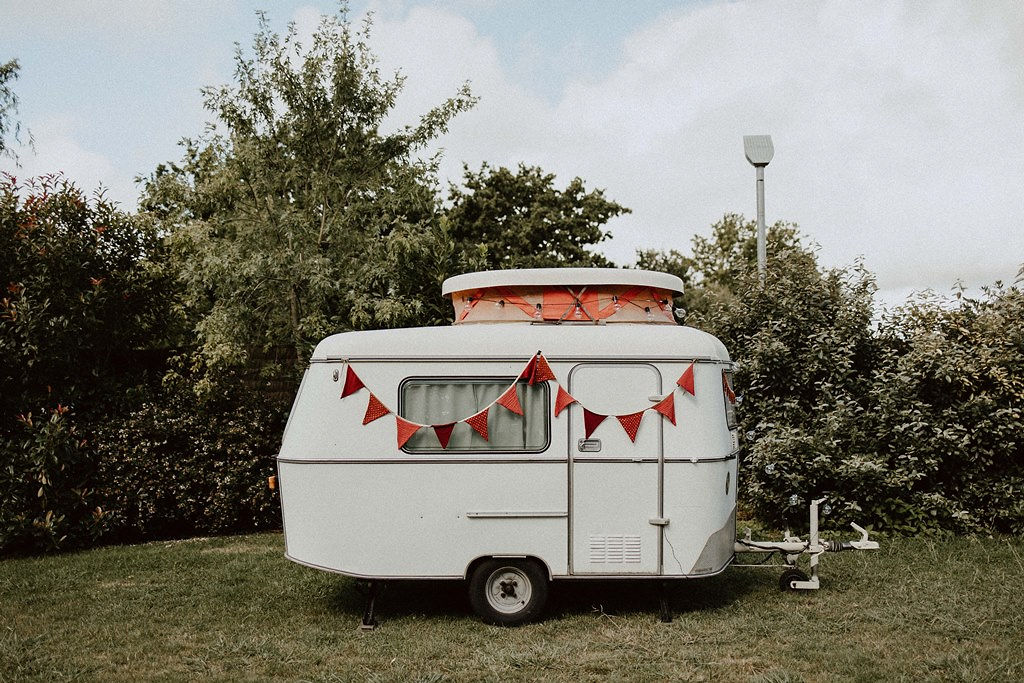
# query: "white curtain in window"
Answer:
x=438 y=401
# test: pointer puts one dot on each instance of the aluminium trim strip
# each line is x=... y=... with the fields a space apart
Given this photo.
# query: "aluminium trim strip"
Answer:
x=512 y=359
x=418 y=461
x=489 y=461
x=525 y=514
x=445 y=577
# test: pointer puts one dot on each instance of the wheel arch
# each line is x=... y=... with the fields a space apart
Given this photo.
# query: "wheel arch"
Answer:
x=502 y=556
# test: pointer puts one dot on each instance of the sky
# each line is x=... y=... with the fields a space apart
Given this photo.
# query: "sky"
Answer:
x=898 y=127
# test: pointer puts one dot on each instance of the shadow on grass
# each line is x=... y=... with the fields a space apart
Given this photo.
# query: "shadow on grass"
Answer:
x=565 y=598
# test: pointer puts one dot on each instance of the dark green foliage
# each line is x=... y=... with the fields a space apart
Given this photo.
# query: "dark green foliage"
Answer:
x=46 y=501
x=908 y=425
x=80 y=292
x=520 y=220
x=273 y=216
x=948 y=405
x=81 y=300
x=719 y=262
x=176 y=466
x=804 y=349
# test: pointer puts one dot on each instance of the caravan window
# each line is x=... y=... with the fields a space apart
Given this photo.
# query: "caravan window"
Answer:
x=437 y=400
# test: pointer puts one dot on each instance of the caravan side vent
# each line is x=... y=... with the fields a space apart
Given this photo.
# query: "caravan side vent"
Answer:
x=615 y=549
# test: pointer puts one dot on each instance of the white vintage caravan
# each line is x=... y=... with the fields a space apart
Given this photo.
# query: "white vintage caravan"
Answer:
x=456 y=452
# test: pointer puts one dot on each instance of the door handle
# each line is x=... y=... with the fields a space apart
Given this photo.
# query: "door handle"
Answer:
x=589 y=446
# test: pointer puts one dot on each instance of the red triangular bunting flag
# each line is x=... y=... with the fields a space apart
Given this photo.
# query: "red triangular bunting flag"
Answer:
x=352 y=382
x=510 y=400
x=543 y=371
x=374 y=410
x=591 y=420
x=479 y=422
x=667 y=407
x=405 y=430
x=631 y=423
x=563 y=400
x=729 y=393
x=537 y=370
x=686 y=380
x=444 y=433
x=530 y=368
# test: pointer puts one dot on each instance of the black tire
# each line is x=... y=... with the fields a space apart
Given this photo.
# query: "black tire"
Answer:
x=790 y=575
x=508 y=592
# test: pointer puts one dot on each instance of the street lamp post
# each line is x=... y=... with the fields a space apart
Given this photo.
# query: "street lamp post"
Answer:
x=759 y=152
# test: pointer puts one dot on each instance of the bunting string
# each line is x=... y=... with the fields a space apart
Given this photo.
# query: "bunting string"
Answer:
x=536 y=370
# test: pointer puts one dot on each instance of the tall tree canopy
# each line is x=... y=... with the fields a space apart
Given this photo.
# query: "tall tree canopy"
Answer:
x=276 y=212
x=521 y=220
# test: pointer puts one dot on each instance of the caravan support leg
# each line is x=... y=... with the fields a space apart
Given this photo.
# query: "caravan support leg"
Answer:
x=369 y=623
x=666 y=610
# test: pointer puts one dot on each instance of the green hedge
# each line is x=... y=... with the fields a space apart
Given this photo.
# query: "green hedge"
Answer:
x=176 y=466
x=908 y=424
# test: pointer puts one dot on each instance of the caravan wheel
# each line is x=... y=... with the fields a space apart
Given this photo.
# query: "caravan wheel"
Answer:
x=508 y=592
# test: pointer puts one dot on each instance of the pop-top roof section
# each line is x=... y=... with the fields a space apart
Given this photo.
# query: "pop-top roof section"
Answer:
x=563 y=295
x=562 y=277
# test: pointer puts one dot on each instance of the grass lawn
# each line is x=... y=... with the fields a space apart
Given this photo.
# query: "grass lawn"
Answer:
x=233 y=608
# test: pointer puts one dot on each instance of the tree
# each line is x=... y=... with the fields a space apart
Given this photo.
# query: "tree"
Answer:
x=273 y=216
x=83 y=292
x=82 y=286
x=520 y=220
x=9 y=107
x=720 y=262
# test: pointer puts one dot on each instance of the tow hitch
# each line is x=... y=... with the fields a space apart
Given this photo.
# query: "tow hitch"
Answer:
x=792 y=547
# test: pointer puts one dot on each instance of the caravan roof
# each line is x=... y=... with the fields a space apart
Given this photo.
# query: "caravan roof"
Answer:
x=495 y=340
x=562 y=277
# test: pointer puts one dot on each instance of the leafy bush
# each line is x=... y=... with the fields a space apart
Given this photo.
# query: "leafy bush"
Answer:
x=911 y=424
x=948 y=405
x=46 y=499
x=80 y=295
x=178 y=466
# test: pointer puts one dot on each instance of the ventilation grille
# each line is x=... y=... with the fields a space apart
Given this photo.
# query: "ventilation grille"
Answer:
x=615 y=549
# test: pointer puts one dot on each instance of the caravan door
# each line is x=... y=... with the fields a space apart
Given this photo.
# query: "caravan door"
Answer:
x=614 y=483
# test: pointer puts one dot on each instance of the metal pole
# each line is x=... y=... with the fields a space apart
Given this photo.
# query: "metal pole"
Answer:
x=762 y=250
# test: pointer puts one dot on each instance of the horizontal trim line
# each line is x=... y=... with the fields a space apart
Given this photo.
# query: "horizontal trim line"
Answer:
x=515 y=515
x=418 y=461
x=488 y=461
x=514 y=359
x=446 y=577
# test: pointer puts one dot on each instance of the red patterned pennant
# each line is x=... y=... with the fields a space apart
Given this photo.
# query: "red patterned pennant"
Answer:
x=686 y=380
x=667 y=407
x=631 y=423
x=444 y=433
x=374 y=410
x=729 y=393
x=542 y=371
x=529 y=370
x=537 y=370
x=563 y=400
x=352 y=382
x=479 y=422
x=510 y=400
x=405 y=430
x=591 y=420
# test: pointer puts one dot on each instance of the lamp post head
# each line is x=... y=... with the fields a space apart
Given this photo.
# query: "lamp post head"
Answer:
x=759 y=149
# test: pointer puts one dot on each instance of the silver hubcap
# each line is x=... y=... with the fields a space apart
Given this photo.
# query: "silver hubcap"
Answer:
x=508 y=590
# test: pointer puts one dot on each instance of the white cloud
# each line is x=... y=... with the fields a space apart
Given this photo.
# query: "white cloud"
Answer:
x=897 y=127
x=57 y=151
